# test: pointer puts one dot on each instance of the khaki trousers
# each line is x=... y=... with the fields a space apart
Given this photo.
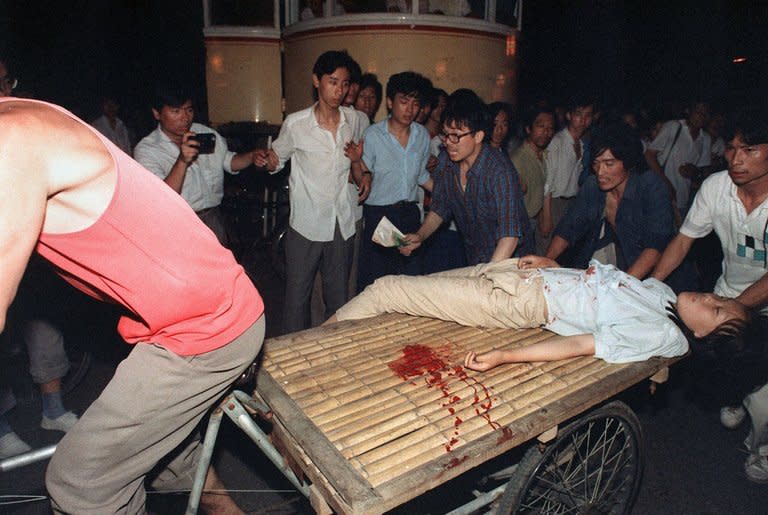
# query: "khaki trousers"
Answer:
x=146 y=413
x=486 y=295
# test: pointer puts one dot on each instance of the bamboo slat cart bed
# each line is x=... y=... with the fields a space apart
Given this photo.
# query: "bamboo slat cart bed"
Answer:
x=377 y=412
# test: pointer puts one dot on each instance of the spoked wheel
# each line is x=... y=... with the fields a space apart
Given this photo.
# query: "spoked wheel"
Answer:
x=594 y=466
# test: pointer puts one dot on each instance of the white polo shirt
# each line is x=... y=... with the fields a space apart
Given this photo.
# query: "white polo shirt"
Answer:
x=743 y=236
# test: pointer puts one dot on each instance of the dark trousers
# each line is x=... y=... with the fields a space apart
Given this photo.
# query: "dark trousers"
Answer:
x=377 y=261
x=303 y=259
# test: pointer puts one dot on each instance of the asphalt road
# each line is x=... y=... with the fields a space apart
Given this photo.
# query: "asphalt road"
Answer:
x=692 y=464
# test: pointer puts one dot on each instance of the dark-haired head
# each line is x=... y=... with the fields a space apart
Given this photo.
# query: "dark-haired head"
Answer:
x=409 y=84
x=464 y=108
x=501 y=116
x=750 y=125
x=170 y=95
x=332 y=60
x=623 y=143
x=728 y=333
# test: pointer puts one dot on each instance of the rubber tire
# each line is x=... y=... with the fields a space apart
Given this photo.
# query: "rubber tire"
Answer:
x=526 y=479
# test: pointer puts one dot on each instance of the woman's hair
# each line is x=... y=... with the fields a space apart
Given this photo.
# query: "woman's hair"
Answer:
x=728 y=334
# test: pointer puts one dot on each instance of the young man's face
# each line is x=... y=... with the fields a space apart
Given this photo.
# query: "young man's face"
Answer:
x=462 y=143
x=704 y=312
x=366 y=101
x=403 y=108
x=609 y=171
x=542 y=130
x=747 y=164
x=175 y=121
x=580 y=119
x=332 y=88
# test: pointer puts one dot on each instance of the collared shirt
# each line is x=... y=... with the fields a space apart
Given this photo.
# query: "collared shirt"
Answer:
x=743 y=236
x=533 y=173
x=627 y=316
x=319 y=195
x=203 y=185
x=397 y=171
x=563 y=166
x=490 y=208
x=644 y=219
x=677 y=153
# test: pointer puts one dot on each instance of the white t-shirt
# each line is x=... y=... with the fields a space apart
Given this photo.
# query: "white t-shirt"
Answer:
x=627 y=316
x=685 y=150
x=743 y=236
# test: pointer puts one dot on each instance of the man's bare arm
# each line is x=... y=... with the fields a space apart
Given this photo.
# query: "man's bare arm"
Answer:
x=673 y=255
x=644 y=263
x=505 y=247
x=23 y=197
x=756 y=296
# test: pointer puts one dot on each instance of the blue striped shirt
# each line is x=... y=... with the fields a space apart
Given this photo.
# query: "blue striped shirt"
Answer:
x=490 y=208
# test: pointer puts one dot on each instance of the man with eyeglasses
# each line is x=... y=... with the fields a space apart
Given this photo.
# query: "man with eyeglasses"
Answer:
x=476 y=186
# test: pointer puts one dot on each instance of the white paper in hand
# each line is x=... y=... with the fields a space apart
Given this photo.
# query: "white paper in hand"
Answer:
x=387 y=235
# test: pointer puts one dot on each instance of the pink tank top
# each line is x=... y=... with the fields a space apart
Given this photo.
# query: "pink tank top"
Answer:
x=150 y=253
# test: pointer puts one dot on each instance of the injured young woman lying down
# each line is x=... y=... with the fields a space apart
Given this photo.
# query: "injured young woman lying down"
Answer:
x=600 y=311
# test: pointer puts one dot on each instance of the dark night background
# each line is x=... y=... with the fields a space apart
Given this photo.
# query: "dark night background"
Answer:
x=627 y=52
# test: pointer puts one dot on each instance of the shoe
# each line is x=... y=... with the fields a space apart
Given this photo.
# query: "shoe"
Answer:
x=61 y=423
x=732 y=416
x=756 y=468
x=12 y=445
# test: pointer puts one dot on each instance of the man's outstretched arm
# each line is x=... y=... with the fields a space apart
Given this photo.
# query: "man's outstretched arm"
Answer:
x=673 y=255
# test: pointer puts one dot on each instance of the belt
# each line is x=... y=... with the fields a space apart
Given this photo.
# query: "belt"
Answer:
x=402 y=203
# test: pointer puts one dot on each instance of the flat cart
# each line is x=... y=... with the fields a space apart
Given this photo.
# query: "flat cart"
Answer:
x=370 y=414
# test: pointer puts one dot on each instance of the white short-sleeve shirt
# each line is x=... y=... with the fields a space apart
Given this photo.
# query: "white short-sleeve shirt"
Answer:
x=743 y=236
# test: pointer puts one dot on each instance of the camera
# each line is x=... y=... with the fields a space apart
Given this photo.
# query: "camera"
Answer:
x=207 y=141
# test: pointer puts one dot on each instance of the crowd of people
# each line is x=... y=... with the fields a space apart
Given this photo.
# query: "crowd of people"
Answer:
x=582 y=220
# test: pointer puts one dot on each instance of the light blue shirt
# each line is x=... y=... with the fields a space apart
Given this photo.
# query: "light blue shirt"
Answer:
x=626 y=316
x=397 y=171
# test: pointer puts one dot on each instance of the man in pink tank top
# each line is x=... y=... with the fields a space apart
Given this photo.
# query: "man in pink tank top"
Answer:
x=111 y=229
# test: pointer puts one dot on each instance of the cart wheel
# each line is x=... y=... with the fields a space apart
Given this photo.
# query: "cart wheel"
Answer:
x=594 y=466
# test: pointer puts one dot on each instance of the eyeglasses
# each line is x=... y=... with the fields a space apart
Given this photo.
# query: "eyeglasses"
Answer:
x=8 y=82
x=455 y=138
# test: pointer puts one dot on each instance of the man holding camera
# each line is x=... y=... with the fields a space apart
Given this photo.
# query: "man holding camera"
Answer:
x=190 y=157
